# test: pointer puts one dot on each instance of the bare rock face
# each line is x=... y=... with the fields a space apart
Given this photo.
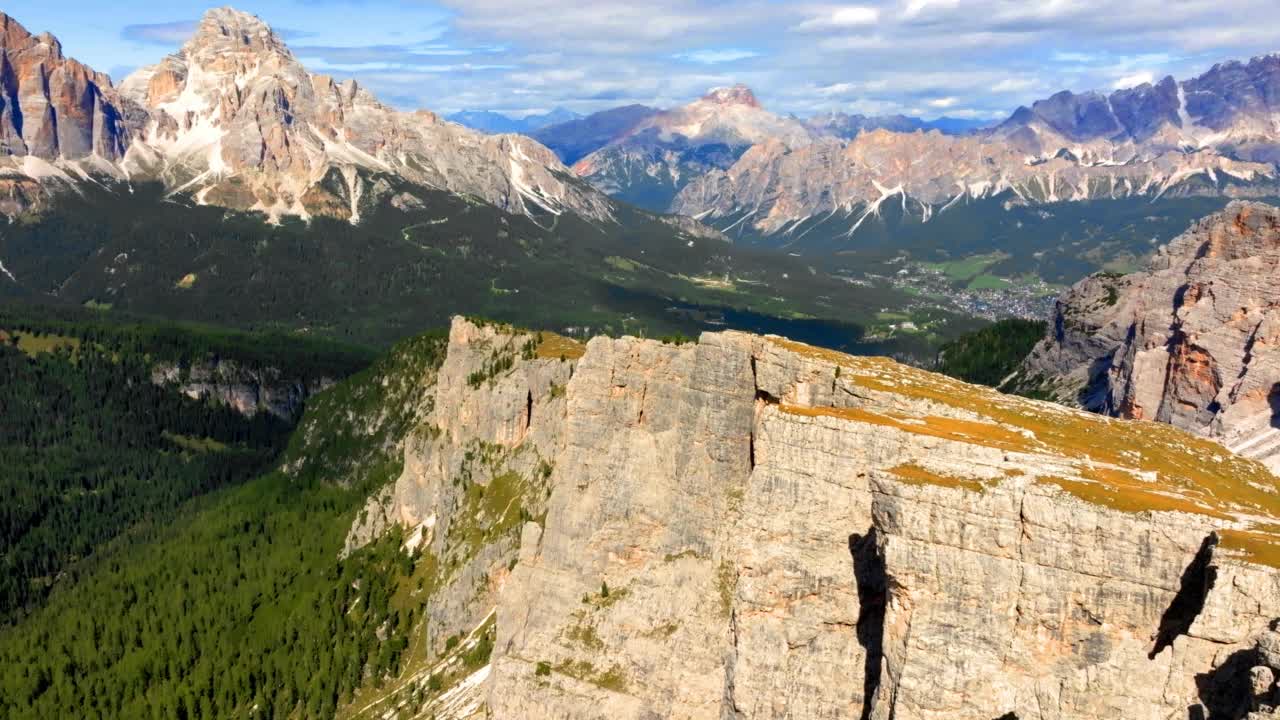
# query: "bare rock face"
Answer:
x=666 y=151
x=247 y=390
x=753 y=528
x=1190 y=341
x=236 y=120
x=51 y=106
x=233 y=119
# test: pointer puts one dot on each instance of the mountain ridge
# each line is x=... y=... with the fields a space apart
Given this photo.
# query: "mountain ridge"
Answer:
x=234 y=119
x=1186 y=341
x=706 y=501
x=496 y=123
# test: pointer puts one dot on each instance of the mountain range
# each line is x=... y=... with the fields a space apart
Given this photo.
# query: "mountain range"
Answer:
x=1215 y=135
x=496 y=123
x=234 y=122
x=249 y=168
x=676 y=495
x=647 y=156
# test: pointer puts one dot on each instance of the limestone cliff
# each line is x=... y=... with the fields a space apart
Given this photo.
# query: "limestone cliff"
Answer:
x=244 y=388
x=1191 y=341
x=747 y=527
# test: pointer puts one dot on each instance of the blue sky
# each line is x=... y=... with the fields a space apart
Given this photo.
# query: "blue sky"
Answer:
x=964 y=58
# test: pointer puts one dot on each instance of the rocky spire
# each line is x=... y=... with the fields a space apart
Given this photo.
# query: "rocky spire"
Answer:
x=226 y=29
x=53 y=107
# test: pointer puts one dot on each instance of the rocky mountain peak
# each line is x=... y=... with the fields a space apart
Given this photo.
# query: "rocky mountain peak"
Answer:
x=12 y=33
x=848 y=537
x=229 y=29
x=235 y=120
x=52 y=108
x=1193 y=341
x=735 y=95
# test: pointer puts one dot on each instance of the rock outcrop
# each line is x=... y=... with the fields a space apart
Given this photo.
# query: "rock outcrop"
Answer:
x=665 y=151
x=53 y=107
x=234 y=119
x=1190 y=341
x=1214 y=135
x=245 y=389
x=59 y=119
x=749 y=527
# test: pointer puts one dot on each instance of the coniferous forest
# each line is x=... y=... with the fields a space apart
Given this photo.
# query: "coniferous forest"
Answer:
x=158 y=563
x=167 y=557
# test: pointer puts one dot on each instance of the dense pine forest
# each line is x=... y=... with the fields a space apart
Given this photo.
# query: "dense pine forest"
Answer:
x=167 y=557
x=990 y=355
x=209 y=593
x=92 y=446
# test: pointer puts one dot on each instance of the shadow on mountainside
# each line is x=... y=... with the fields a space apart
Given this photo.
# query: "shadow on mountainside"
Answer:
x=1197 y=580
x=1225 y=691
x=872 y=584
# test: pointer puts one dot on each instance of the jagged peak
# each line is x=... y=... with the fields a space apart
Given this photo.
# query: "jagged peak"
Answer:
x=11 y=29
x=14 y=34
x=738 y=94
x=223 y=24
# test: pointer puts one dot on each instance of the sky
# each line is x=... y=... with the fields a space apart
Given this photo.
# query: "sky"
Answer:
x=975 y=59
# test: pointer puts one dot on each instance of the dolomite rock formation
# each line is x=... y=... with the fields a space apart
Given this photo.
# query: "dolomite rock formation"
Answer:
x=777 y=187
x=236 y=120
x=52 y=106
x=233 y=119
x=1190 y=341
x=247 y=390
x=53 y=109
x=1211 y=135
x=748 y=527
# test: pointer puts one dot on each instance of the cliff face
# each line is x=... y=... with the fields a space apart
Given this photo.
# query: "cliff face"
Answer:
x=752 y=528
x=51 y=106
x=247 y=390
x=1191 y=341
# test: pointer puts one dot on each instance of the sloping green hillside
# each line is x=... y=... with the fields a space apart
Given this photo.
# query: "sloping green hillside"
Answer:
x=990 y=355
x=92 y=446
x=236 y=604
x=402 y=271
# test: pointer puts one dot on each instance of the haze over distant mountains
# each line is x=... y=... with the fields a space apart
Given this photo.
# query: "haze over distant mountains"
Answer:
x=1215 y=135
x=496 y=123
x=234 y=119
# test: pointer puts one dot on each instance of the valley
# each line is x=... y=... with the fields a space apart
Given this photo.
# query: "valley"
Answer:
x=615 y=387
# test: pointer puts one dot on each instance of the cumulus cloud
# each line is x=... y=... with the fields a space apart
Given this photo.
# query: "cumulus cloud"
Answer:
x=971 y=58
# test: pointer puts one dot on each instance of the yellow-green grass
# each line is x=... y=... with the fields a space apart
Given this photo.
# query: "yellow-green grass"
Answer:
x=35 y=344
x=195 y=444
x=558 y=346
x=914 y=474
x=1130 y=466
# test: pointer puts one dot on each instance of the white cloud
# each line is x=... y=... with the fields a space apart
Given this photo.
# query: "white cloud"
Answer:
x=973 y=58
x=916 y=8
x=840 y=18
x=712 y=57
x=1016 y=85
x=1133 y=80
